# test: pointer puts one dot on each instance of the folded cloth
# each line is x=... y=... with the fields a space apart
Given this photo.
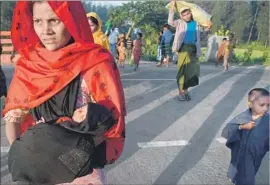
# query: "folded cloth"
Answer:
x=50 y=153
x=98 y=120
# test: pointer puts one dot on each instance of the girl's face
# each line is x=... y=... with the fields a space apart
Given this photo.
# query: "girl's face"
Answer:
x=48 y=27
x=260 y=105
x=93 y=26
x=122 y=35
x=122 y=44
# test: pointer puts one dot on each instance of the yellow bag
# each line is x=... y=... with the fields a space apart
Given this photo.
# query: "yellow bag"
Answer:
x=199 y=14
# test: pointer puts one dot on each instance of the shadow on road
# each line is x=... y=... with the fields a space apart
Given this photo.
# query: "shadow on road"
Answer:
x=150 y=125
x=191 y=154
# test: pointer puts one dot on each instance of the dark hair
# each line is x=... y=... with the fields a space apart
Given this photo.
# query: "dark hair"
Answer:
x=186 y=10
x=140 y=34
x=224 y=39
x=1 y=49
x=166 y=26
x=94 y=20
x=13 y=54
x=260 y=92
x=161 y=31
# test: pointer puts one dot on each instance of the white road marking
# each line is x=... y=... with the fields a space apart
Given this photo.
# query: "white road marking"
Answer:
x=238 y=109
x=158 y=87
x=126 y=74
x=187 y=123
x=150 y=79
x=4 y=149
x=163 y=144
x=221 y=140
x=154 y=104
x=4 y=168
x=137 y=89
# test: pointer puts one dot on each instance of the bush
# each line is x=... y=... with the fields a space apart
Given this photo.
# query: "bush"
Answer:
x=254 y=46
x=266 y=58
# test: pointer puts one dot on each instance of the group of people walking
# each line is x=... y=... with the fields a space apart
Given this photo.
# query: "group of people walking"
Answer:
x=71 y=95
x=121 y=47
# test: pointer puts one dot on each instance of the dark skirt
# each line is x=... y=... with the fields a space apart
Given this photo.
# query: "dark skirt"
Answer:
x=188 y=67
x=3 y=85
x=166 y=50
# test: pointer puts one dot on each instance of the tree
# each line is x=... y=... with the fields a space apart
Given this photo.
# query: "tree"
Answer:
x=219 y=15
x=242 y=19
x=154 y=14
x=253 y=21
x=6 y=14
x=145 y=16
x=263 y=23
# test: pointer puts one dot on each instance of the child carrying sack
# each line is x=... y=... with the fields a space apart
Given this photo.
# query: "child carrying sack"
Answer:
x=53 y=153
x=199 y=14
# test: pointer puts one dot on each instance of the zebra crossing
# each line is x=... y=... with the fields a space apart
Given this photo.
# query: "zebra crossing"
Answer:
x=172 y=142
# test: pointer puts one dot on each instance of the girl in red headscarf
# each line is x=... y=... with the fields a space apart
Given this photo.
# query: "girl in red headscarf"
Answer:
x=56 y=46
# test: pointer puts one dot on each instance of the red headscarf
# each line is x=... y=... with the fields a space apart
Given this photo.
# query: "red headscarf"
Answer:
x=40 y=74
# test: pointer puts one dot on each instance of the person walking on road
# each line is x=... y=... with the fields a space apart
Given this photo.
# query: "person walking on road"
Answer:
x=122 y=54
x=96 y=28
x=187 y=44
x=248 y=138
x=159 y=54
x=166 y=42
x=129 y=44
x=113 y=38
x=59 y=77
x=137 y=50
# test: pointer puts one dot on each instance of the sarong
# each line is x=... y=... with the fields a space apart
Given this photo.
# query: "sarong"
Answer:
x=3 y=85
x=166 y=50
x=188 y=67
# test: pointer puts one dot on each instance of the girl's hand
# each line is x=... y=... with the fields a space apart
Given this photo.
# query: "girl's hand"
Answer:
x=248 y=126
x=173 y=3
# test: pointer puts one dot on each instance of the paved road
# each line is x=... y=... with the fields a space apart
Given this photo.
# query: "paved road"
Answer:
x=171 y=142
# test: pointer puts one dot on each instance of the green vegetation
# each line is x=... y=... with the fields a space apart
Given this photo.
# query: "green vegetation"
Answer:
x=249 y=20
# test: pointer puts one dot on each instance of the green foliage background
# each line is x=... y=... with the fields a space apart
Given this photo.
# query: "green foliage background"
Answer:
x=244 y=18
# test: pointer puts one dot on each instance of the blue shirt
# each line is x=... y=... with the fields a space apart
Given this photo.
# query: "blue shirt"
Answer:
x=167 y=37
x=113 y=37
x=191 y=34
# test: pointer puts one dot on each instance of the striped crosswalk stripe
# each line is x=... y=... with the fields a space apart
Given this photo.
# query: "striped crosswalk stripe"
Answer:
x=169 y=137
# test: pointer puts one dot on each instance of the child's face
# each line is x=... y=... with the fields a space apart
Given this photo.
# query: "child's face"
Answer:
x=122 y=44
x=260 y=105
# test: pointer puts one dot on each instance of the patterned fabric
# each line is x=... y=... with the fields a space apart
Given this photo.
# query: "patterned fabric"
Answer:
x=188 y=68
x=166 y=50
x=84 y=97
x=137 y=51
x=96 y=178
x=48 y=72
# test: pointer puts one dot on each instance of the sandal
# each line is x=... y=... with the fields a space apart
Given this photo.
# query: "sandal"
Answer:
x=187 y=96
x=181 y=97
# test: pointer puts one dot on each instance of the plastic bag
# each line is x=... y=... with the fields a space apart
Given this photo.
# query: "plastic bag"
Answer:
x=131 y=61
x=199 y=14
